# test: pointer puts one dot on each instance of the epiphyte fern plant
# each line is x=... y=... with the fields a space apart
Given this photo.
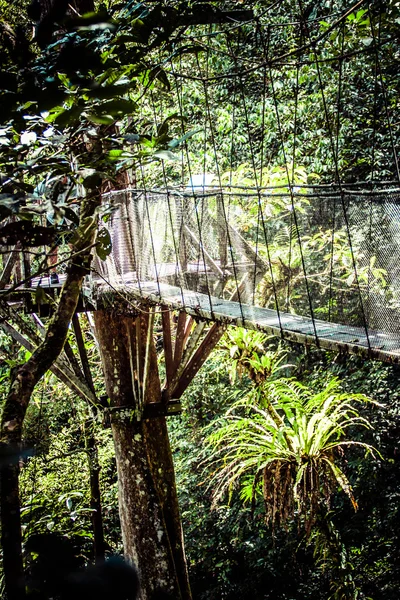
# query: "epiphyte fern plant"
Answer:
x=283 y=441
x=250 y=352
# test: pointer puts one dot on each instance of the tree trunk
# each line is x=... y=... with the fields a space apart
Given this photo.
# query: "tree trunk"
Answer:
x=23 y=383
x=148 y=505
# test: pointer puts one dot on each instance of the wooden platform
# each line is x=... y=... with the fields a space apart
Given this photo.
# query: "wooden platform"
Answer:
x=27 y=295
x=379 y=345
x=333 y=336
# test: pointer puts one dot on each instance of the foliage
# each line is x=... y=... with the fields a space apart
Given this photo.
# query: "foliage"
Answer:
x=233 y=554
x=247 y=354
x=281 y=441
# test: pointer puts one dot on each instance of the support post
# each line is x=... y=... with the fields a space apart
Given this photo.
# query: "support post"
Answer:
x=148 y=505
x=8 y=267
x=167 y=341
x=198 y=359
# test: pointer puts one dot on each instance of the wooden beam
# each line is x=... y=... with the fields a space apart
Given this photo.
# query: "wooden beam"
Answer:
x=238 y=240
x=73 y=361
x=26 y=263
x=179 y=338
x=167 y=341
x=8 y=267
x=132 y=362
x=198 y=359
x=207 y=257
x=82 y=351
x=189 y=325
x=60 y=369
x=149 y=341
x=68 y=352
x=188 y=352
x=35 y=336
x=139 y=360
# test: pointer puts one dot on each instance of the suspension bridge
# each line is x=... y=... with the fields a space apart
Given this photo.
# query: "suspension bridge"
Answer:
x=231 y=239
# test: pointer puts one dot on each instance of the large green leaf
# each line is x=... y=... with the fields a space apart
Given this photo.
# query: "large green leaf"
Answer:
x=103 y=243
x=166 y=155
x=100 y=119
x=118 y=107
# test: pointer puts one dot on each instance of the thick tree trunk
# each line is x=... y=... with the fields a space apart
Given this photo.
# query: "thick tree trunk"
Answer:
x=149 y=512
x=23 y=383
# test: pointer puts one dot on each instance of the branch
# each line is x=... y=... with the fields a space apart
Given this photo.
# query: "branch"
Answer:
x=28 y=375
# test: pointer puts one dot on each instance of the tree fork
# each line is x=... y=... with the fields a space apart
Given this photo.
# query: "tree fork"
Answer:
x=148 y=504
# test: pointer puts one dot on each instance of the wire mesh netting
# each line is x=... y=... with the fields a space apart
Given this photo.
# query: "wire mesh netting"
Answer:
x=260 y=236
x=328 y=254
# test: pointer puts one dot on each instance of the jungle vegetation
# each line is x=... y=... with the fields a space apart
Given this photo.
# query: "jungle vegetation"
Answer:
x=286 y=458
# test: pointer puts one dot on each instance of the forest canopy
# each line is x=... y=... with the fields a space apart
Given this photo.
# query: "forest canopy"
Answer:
x=126 y=421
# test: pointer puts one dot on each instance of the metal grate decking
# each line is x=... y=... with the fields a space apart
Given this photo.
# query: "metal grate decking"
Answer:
x=379 y=345
x=337 y=337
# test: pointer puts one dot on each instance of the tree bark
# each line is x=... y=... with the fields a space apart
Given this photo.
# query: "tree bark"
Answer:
x=23 y=383
x=148 y=505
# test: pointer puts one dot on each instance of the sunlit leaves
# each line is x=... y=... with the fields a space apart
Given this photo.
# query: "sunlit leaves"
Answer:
x=103 y=243
x=285 y=438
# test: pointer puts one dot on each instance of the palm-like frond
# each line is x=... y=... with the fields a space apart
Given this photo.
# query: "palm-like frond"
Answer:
x=282 y=439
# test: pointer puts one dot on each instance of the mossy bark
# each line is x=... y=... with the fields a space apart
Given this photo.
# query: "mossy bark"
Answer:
x=25 y=378
x=148 y=505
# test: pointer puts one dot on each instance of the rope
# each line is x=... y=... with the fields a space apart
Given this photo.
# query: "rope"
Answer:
x=374 y=126
x=146 y=202
x=335 y=158
x=333 y=202
x=222 y=195
x=296 y=98
x=260 y=211
x=180 y=104
x=293 y=207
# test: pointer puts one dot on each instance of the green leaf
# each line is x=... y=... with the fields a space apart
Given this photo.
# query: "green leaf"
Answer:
x=176 y=142
x=104 y=244
x=166 y=155
x=117 y=107
x=71 y=215
x=69 y=116
x=115 y=153
x=162 y=76
x=99 y=120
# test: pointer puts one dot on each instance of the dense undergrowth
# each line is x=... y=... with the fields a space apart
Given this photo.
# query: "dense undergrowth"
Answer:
x=232 y=551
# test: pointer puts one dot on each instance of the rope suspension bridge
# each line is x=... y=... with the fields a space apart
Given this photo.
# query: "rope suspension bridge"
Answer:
x=186 y=250
x=220 y=235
